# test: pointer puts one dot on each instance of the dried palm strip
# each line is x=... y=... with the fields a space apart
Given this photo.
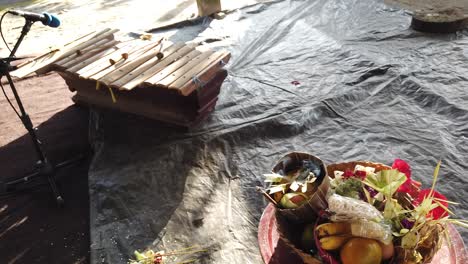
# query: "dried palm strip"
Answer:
x=97 y=50
x=185 y=68
x=104 y=67
x=49 y=58
x=194 y=80
x=122 y=71
x=89 y=63
x=85 y=47
x=167 y=60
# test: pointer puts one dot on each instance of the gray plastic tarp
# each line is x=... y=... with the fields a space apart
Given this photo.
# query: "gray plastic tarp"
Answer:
x=342 y=79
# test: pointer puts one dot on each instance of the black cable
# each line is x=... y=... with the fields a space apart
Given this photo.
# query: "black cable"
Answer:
x=8 y=99
x=1 y=85
x=1 y=32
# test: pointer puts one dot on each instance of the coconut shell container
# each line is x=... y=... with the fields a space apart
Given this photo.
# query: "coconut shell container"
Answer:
x=297 y=187
x=356 y=212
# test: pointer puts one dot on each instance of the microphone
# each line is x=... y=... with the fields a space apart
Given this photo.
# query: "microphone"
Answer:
x=46 y=18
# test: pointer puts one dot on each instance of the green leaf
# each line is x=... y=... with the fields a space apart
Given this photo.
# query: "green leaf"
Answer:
x=139 y=256
x=386 y=181
x=276 y=178
x=410 y=240
x=435 y=176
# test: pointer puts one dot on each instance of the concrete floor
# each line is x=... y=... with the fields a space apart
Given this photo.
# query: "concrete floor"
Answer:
x=79 y=17
x=431 y=5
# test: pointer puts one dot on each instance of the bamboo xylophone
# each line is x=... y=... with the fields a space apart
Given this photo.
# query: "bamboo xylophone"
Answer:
x=173 y=82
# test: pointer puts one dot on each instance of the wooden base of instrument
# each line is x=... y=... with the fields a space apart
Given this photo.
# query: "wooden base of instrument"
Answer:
x=161 y=104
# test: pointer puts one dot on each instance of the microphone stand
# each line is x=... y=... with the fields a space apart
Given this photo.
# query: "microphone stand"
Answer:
x=43 y=166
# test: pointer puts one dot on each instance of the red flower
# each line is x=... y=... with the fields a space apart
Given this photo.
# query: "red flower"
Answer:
x=361 y=174
x=402 y=167
x=409 y=186
x=348 y=174
x=437 y=212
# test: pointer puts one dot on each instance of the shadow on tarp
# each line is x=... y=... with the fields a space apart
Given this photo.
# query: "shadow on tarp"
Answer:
x=132 y=221
x=18 y=157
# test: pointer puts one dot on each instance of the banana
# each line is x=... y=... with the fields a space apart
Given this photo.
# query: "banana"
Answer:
x=334 y=242
x=331 y=229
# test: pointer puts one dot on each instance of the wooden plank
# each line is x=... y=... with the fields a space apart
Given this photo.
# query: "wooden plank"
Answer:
x=120 y=72
x=105 y=52
x=133 y=78
x=82 y=48
x=97 y=50
x=84 y=65
x=51 y=57
x=84 y=53
x=215 y=57
x=124 y=70
x=85 y=47
x=144 y=66
x=69 y=44
x=177 y=61
x=133 y=54
x=205 y=76
x=185 y=68
x=104 y=63
x=167 y=60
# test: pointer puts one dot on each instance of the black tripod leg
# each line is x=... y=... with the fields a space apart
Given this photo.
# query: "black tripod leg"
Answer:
x=45 y=167
x=10 y=184
x=55 y=191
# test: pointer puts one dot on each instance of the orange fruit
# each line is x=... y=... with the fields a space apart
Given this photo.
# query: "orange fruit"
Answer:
x=387 y=250
x=361 y=251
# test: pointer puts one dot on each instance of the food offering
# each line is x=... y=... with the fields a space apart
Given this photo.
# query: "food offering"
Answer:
x=374 y=214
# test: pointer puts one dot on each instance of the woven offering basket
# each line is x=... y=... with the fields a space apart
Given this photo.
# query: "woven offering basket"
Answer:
x=308 y=211
x=290 y=233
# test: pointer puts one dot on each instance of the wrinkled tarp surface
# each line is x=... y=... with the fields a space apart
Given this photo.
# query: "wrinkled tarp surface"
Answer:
x=369 y=88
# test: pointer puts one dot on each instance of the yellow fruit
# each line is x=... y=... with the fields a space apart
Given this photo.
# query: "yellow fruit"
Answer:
x=361 y=251
x=333 y=242
x=331 y=229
